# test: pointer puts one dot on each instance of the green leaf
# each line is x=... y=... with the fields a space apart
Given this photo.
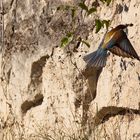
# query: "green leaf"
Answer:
x=86 y=43
x=106 y=23
x=83 y=6
x=98 y=25
x=103 y=1
x=108 y=2
x=64 y=42
x=91 y=10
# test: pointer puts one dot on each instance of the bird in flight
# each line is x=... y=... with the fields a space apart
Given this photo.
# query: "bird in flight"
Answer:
x=116 y=42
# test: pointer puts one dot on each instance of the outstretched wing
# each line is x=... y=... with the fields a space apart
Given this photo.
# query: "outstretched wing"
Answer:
x=122 y=46
x=117 y=51
x=127 y=47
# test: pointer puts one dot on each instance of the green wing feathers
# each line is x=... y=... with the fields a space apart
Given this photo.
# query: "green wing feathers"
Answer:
x=127 y=47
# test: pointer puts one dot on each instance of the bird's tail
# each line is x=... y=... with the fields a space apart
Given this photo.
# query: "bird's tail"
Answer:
x=97 y=58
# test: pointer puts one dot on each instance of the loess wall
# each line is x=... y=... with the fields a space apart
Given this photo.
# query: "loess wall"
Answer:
x=47 y=92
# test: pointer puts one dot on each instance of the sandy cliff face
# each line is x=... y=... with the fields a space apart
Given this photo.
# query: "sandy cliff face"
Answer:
x=46 y=91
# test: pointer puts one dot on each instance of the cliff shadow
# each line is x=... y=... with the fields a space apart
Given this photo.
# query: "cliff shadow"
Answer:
x=105 y=113
x=89 y=77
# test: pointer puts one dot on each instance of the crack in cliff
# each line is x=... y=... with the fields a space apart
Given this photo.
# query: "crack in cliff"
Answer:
x=111 y=111
x=28 y=104
x=138 y=77
x=36 y=75
x=35 y=85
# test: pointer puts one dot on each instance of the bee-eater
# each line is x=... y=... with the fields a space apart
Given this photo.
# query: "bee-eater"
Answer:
x=116 y=42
